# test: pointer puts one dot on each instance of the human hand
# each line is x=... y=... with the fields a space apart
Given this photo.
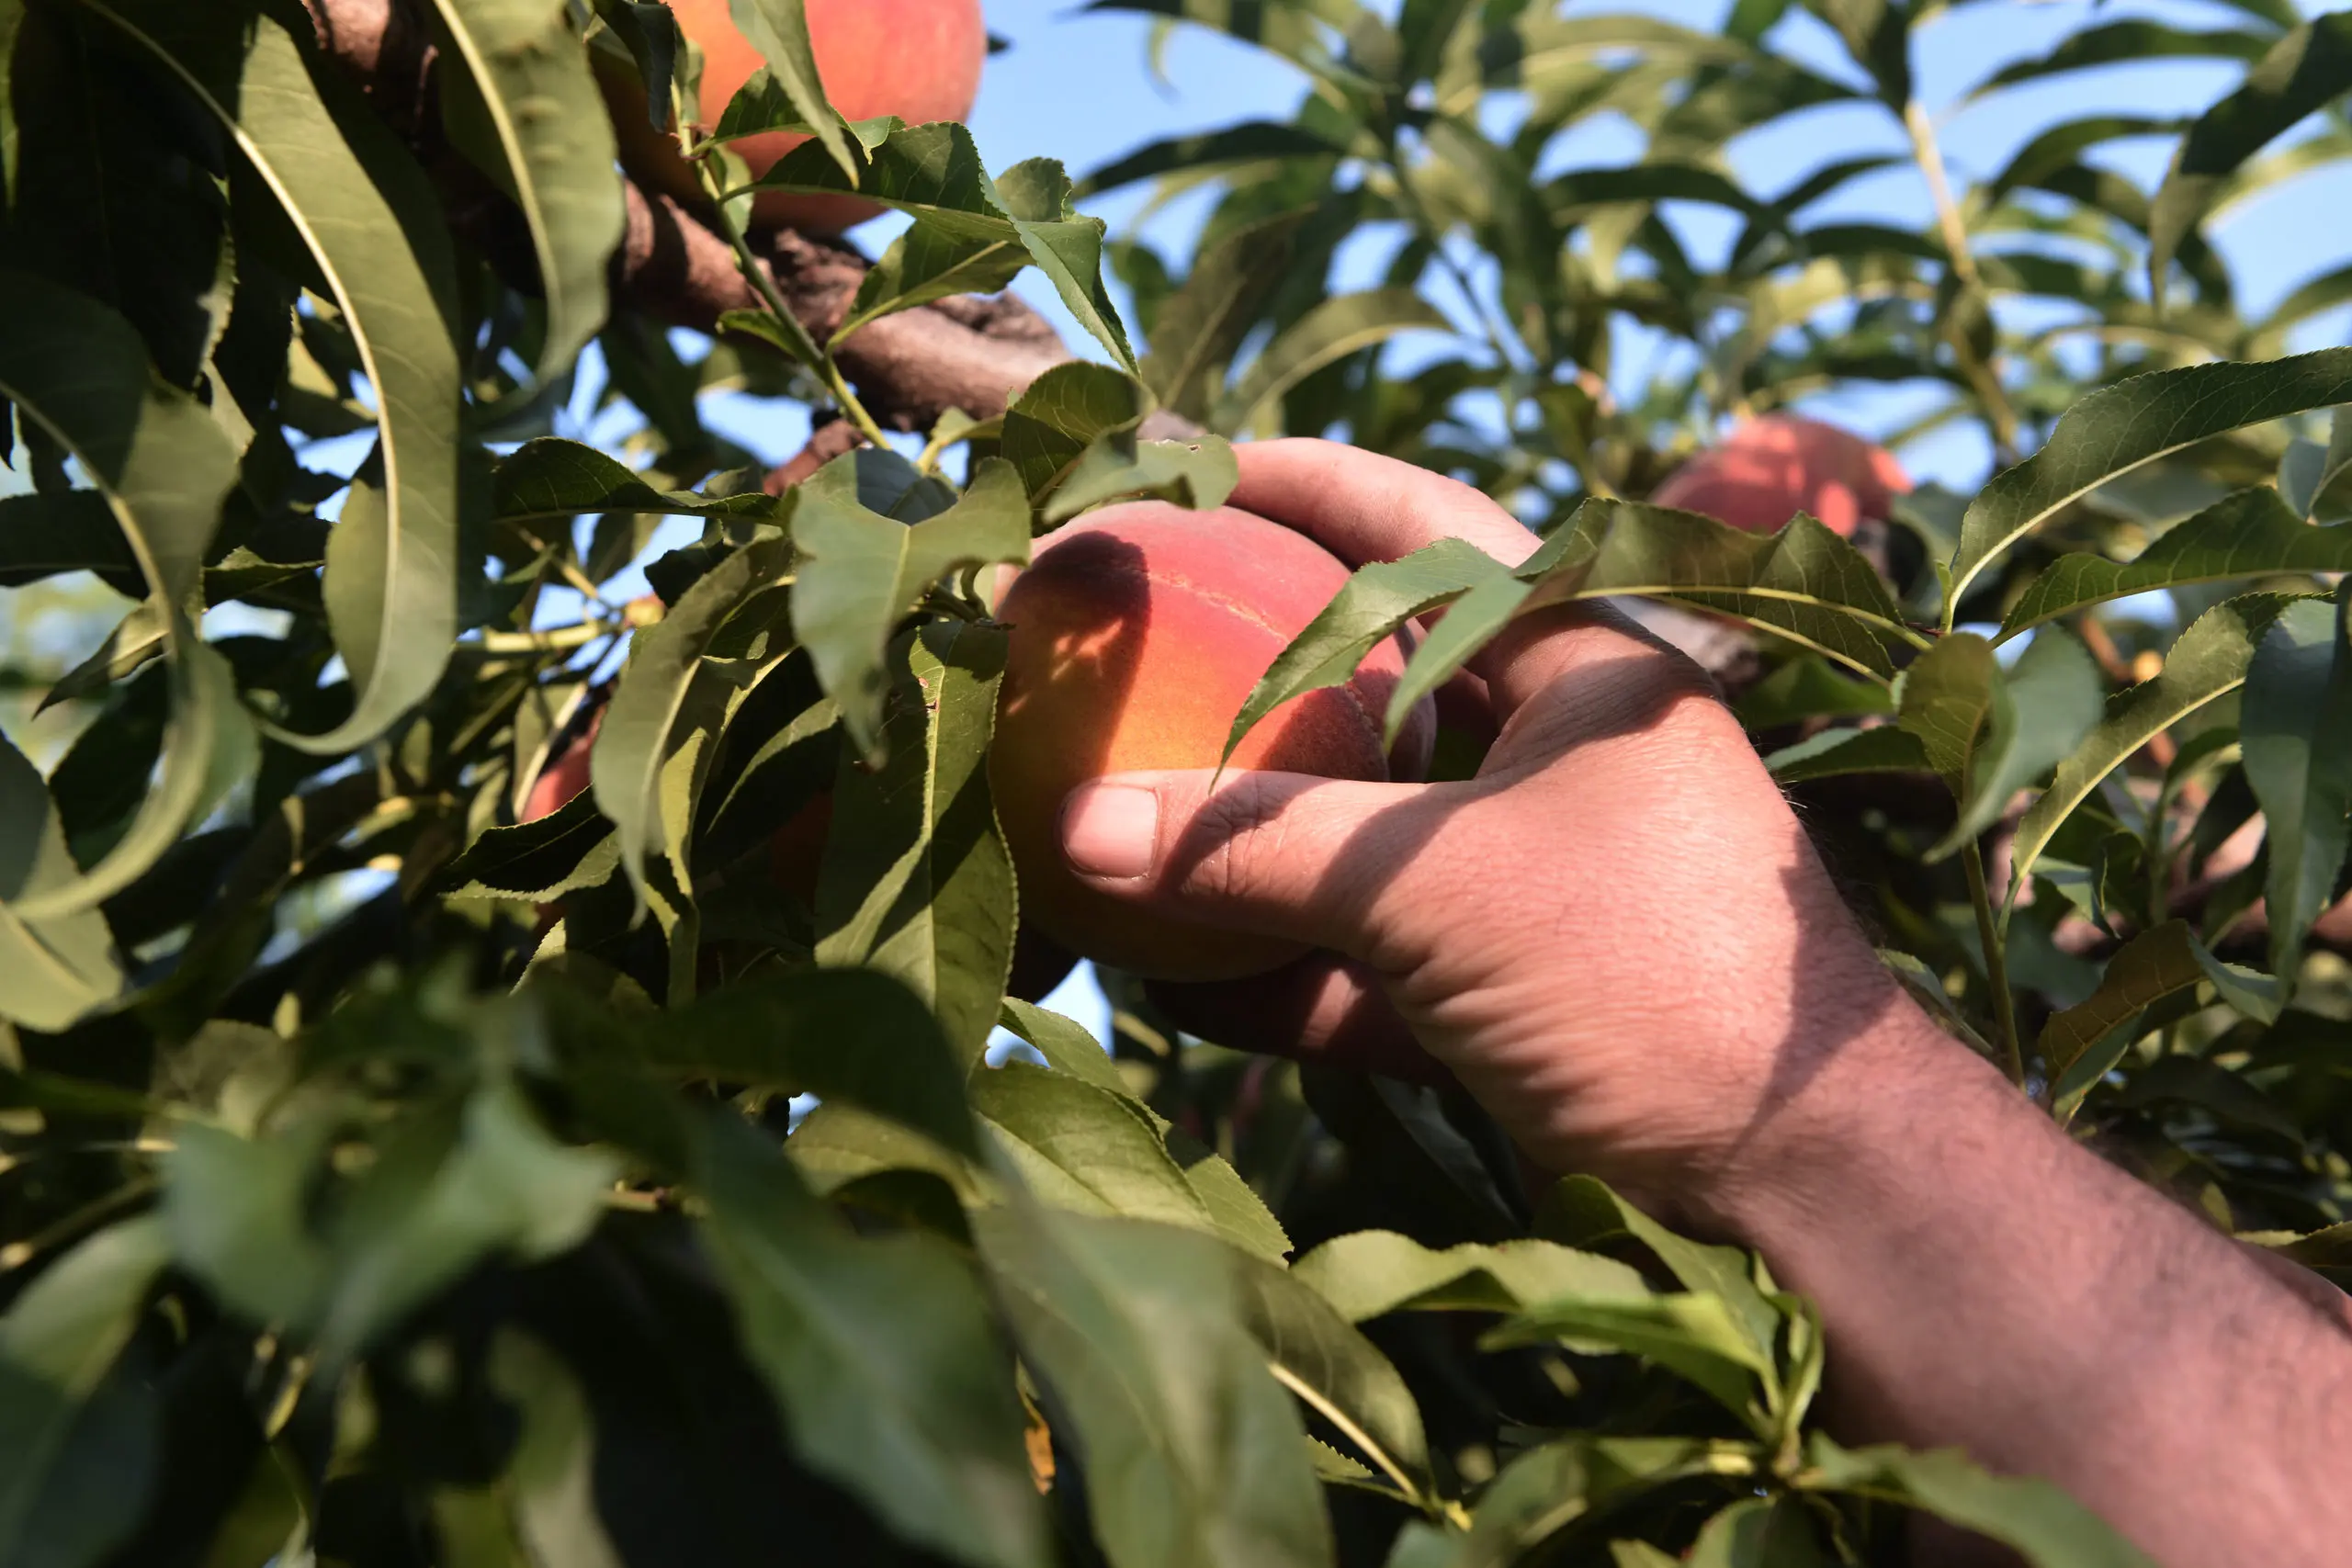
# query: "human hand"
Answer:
x=1617 y=937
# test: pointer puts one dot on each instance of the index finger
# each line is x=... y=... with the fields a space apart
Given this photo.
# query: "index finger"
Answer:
x=1364 y=507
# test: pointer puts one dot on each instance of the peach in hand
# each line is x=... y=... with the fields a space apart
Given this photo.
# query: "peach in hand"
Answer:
x=1136 y=635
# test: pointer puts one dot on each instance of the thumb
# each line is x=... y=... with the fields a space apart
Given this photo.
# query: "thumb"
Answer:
x=1280 y=854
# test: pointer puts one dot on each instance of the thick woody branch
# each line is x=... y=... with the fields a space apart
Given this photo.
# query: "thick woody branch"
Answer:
x=974 y=353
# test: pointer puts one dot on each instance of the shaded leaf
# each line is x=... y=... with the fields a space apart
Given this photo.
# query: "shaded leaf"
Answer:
x=1333 y=330
x=861 y=573
x=57 y=970
x=2295 y=726
x=2157 y=962
x=2304 y=70
x=1193 y=1454
x=72 y=1458
x=1367 y=1274
x=880 y=1355
x=531 y=81
x=2207 y=662
x=2043 y=1524
x=916 y=879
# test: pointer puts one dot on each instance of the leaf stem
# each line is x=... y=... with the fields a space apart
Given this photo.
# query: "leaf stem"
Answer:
x=1996 y=965
x=763 y=282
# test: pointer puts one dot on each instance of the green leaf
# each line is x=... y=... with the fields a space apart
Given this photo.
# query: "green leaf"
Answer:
x=1085 y=1148
x=2253 y=533
x=1340 y=1374
x=553 y=480
x=1835 y=752
x=1062 y=414
x=2156 y=963
x=58 y=970
x=447 y=1192
x=1201 y=325
x=2303 y=71
x=1368 y=1274
x=1802 y=582
x=2120 y=427
x=1583 y=1212
x=2124 y=42
x=1698 y=1338
x=778 y=29
x=2207 y=662
x=48 y=536
x=1326 y=334
x=374 y=228
x=861 y=573
x=1197 y=474
x=2295 y=726
x=73 y=1460
x=651 y=733
x=570 y=848
x=81 y=373
x=1760 y=1532
x=1554 y=1485
x=548 y=1491
x=929 y=262
x=1248 y=141
x=1064 y=1043
x=1192 y=1455
x=530 y=77
x=916 y=880
x=1376 y=599
x=853 y=1037
x=2043 y=1524
x=880 y=1355
x=1990 y=732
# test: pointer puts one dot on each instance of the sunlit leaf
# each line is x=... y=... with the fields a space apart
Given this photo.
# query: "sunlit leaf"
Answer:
x=2115 y=430
x=2250 y=534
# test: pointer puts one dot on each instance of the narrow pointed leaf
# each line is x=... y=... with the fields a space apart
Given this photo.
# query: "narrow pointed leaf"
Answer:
x=2155 y=963
x=2207 y=662
x=880 y=1355
x=1330 y=332
x=2134 y=422
x=2303 y=71
x=2295 y=725
x=531 y=79
x=2250 y=534
x=2045 y=1527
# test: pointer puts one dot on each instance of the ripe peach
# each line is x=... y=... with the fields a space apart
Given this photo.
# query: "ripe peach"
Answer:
x=1769 y=469
x=1136 y=635
x=917 y=59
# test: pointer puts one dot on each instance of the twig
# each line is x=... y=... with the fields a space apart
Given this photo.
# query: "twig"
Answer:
x=1997 y=966
x=1982 y=377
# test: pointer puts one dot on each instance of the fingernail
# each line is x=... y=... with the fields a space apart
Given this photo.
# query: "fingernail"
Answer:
x=1109 y=829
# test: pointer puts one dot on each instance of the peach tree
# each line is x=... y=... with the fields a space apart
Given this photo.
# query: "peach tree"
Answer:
x=394 y=1171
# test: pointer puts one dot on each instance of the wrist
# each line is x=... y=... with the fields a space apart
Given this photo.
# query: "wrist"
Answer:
x=1870 y=1110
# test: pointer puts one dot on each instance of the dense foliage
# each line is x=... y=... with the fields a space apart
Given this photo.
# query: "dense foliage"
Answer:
x=387 y=1180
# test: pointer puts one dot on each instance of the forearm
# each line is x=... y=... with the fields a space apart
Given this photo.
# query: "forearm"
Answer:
x=1987 y=1282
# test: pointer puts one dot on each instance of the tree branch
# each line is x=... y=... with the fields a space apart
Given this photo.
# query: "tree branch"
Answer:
x=973 y=354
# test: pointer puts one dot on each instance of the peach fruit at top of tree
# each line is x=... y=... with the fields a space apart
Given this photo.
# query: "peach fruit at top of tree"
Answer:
x=917 y=59
x=1137 y=633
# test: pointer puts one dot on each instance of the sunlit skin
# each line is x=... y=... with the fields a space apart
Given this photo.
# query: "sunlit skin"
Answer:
x=1136 y=637
x=920 y=60
x=1768 y=470
x=1618 y=938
